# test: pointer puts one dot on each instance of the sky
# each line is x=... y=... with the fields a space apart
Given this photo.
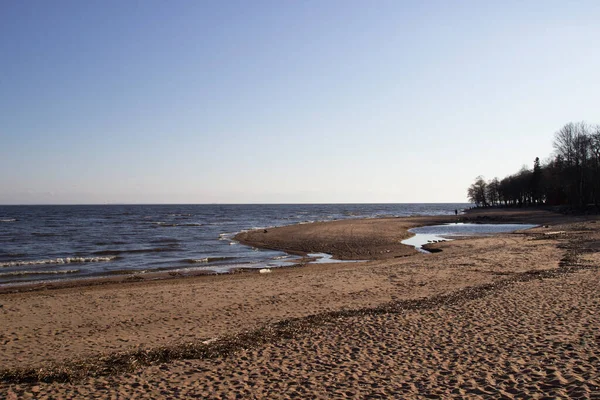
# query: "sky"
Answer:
x=285 y=101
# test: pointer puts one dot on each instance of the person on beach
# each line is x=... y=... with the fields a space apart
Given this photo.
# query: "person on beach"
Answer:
x=455 y=212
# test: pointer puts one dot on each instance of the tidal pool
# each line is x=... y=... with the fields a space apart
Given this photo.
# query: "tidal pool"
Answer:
x=434 y=233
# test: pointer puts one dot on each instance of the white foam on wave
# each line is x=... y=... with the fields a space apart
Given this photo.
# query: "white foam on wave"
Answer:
x=217 y=269
x=23 y=273
x=66 y=260
x=258 y=228
x=207 y=260
x=8 y=220
x=165 y=224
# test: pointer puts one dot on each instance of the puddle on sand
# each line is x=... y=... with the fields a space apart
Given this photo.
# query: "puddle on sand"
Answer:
x=421 y=239
x=324 y=258
x=435 y=233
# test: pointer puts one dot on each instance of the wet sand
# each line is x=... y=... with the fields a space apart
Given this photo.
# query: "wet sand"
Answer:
x=374 y=239
x=532 y=330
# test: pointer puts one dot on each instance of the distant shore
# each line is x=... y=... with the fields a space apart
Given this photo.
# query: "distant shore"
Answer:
x=83 y=325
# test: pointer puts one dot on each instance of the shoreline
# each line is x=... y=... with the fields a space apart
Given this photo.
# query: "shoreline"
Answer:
x=44 y=329
x=367 y=239
x=175 y=273
x=87 y=275
x=304 y=238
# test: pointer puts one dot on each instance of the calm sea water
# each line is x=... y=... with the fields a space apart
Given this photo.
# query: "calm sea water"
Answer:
x=57 y=242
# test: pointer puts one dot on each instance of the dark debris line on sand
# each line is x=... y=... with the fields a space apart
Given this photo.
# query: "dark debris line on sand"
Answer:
x=117 y=363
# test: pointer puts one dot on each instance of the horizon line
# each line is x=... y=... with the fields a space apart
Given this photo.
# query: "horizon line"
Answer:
x=217 y=204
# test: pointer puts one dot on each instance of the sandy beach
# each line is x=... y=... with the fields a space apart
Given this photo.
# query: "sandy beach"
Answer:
x=514 y=315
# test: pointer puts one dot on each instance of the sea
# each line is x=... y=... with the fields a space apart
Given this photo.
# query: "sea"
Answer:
x=50 y=242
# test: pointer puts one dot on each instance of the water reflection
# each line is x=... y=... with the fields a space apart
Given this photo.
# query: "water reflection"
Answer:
x=436 y=233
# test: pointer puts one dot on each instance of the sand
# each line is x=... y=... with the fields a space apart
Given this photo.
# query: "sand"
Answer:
x=374 y=238
x=513 y=315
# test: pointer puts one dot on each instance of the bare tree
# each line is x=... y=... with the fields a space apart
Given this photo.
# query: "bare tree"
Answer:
x=595 y=163
x=572 y=145
x=493 y=192
x=564 y=142
x=571 y=176
x=477 y=192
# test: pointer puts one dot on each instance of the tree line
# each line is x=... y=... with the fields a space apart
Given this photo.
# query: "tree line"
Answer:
x=570 y=176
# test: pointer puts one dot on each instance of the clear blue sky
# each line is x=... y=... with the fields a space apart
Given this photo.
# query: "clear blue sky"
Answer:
x=285 y=101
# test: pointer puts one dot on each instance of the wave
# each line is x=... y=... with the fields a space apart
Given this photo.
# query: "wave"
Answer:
x=226 y=235
x=258 y=228
x=11 y=255
x=214 y=269
x=125 y=272
x=66 y=260
x=24 y=273
x=170 y=225
x=8 y=220
x=165 y=240
x=160 y=223
x=116 y=242
x=134 y=251
x=207 y=259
